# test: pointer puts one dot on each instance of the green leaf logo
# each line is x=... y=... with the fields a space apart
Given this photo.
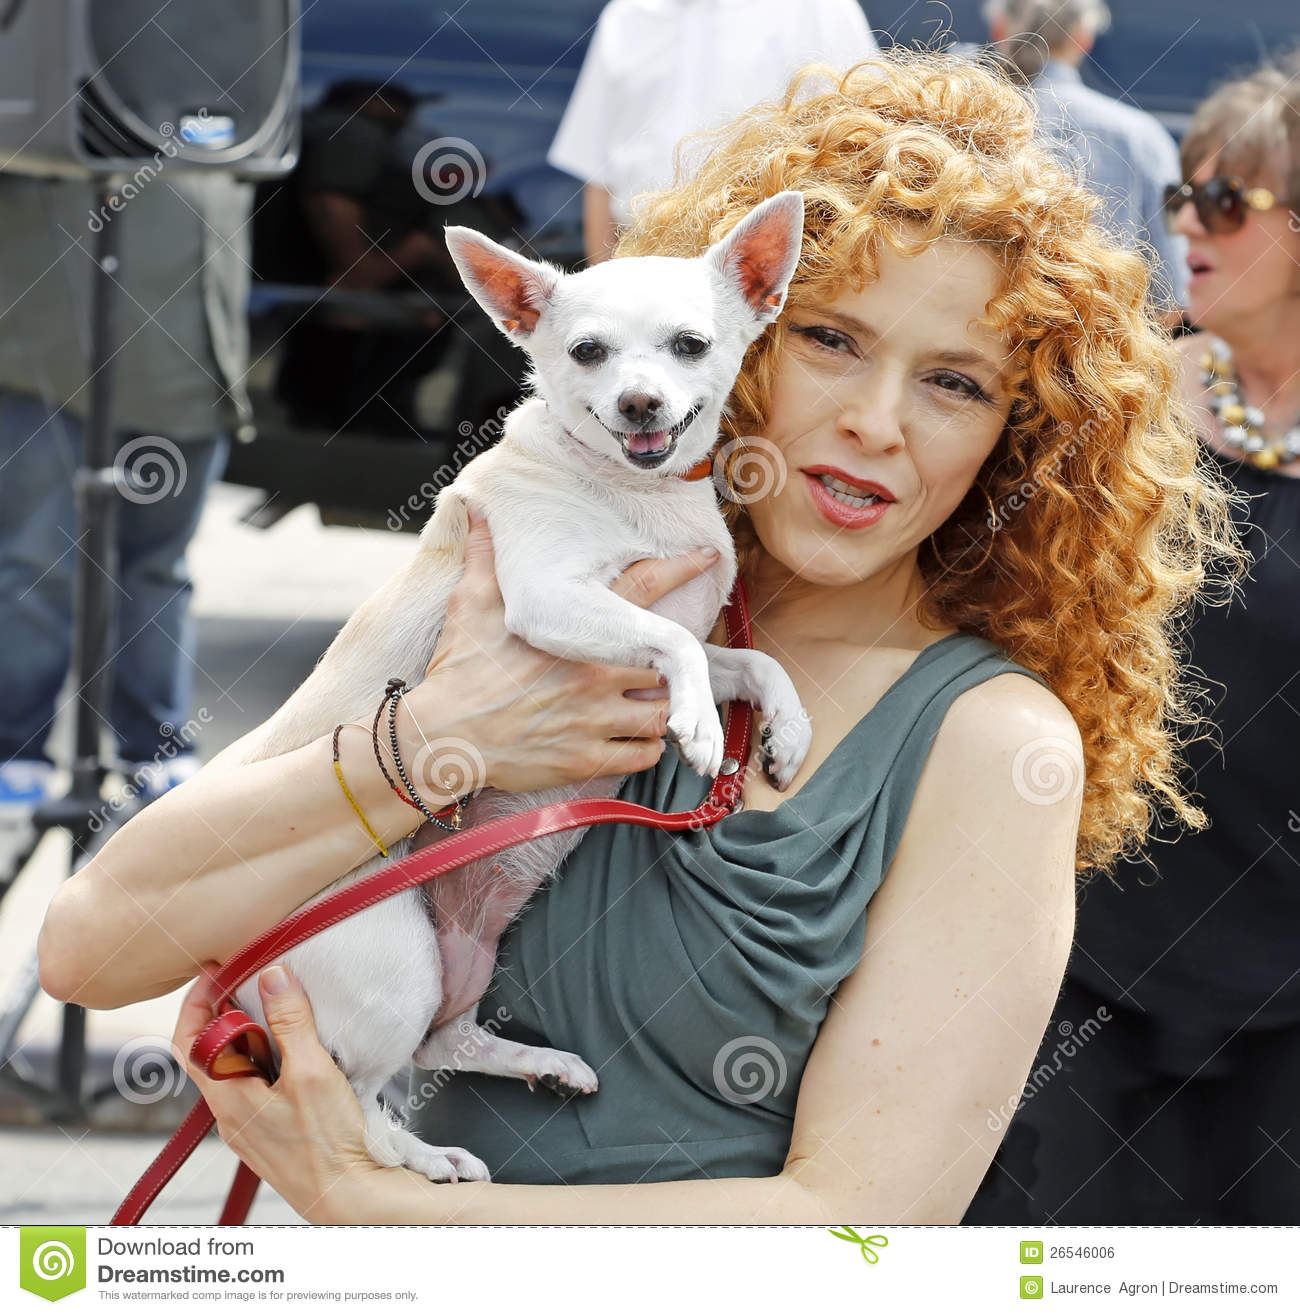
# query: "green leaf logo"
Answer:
x=52 y=1261
x=866 y=1243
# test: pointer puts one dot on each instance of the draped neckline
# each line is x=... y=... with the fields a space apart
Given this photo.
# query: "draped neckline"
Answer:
x=846 y=742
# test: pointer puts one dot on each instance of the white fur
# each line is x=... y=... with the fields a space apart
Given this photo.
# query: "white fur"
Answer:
x=567 y=514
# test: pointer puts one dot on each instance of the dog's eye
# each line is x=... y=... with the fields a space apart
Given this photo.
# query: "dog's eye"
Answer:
x=587 y=352
x=690 y=344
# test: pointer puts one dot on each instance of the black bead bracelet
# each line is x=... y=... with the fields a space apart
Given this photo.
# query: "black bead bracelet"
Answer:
x=392 y=696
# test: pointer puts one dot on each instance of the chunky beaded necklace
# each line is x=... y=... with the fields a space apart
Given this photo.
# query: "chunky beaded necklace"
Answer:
x=1242 y=424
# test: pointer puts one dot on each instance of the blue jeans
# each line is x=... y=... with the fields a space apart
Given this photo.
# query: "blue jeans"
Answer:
x=153 y=638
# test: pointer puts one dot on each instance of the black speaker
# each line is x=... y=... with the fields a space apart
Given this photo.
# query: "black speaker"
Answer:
x=104 y=86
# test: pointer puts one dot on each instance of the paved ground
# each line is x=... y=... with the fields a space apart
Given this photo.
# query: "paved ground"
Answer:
x=268 y=602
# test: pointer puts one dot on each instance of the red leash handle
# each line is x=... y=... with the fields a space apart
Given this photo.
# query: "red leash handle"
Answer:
x=234 y=1028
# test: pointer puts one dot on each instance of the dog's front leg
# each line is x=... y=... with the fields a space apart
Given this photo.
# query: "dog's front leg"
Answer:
x=588 y=623
x=760 y=680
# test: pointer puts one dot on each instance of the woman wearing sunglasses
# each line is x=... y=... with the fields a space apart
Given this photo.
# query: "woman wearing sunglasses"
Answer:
x=1165 y=1092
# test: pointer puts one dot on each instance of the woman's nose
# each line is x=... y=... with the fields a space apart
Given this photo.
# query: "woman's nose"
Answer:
x=873 y=415
x=1188 y=222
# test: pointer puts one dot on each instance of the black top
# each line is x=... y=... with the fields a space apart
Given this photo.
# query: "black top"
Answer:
x=1212 y=943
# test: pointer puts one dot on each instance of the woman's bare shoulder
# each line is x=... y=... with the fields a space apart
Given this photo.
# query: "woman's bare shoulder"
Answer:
x=1003 y=709
x=1010 y=740
x=1001 y=793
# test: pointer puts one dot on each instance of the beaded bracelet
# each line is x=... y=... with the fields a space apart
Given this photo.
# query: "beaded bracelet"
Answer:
x=392 y=696
x=379 y=757
x=338 y=771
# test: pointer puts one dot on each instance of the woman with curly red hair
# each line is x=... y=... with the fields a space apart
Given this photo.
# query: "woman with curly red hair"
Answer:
x=969 y=512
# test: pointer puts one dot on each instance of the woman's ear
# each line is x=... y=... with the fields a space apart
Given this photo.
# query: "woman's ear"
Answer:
x=757 y=259
x=514 y=290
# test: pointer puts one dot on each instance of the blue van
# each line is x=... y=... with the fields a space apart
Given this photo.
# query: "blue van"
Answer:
x=373 y=374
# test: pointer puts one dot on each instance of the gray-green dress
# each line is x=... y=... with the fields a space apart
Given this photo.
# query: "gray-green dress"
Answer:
x=692 y=970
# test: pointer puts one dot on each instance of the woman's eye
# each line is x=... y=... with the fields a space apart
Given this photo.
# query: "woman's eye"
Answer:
x=587 y=352
x=690 y=345
x=959 y=383
x=830 y=338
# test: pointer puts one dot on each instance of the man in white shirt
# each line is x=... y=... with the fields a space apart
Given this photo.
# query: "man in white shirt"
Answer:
x=658 y=69
x=1118 y=151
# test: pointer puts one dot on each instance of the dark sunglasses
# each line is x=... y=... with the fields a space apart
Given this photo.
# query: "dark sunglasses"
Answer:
x=1221 y=203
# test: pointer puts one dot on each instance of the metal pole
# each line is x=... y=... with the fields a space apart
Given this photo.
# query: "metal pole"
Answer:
x=91 y=664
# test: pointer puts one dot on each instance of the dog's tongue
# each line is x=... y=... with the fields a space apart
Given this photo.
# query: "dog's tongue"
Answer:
x=648 y=443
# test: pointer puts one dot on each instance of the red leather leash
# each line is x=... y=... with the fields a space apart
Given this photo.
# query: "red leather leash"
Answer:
x=234 y=1028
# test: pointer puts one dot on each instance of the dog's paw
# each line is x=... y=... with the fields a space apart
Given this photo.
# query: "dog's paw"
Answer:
x=698 y=738
x=564 y=1073
x=447 y=1164
x=785 y=740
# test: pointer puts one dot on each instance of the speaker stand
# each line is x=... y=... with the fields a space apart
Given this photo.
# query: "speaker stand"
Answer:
x=80 y=812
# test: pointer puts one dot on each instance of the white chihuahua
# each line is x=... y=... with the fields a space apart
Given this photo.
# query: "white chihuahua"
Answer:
x=632 y=363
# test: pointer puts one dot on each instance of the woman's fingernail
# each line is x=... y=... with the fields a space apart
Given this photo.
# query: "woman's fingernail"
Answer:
x=663 y=680
x=707 y=553
x=275 y=980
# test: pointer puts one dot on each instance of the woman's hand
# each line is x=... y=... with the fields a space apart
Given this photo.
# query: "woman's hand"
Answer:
x=536 y=720
x=304 y=1134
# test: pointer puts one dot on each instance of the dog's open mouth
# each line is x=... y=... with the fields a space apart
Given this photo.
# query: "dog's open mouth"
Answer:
x=652 y=447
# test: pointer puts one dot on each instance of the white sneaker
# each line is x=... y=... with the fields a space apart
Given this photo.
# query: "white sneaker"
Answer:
x=24 y=783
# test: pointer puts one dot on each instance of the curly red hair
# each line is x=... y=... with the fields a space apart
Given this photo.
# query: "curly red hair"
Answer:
x=1108 y=521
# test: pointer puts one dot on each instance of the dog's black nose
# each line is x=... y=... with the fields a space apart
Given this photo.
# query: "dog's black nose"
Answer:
x=639 y=408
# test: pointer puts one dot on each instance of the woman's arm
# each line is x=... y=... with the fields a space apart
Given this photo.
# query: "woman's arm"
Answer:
x=217 y=860
x=925 y=1049
x=599 y=232
x=928 y=1044
x=209 y=866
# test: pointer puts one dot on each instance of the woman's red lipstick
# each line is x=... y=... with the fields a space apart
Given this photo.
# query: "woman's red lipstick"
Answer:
x=839 y=513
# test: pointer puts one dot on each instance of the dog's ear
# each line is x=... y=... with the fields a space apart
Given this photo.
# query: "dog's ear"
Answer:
x=514 y=290
x=758 y=257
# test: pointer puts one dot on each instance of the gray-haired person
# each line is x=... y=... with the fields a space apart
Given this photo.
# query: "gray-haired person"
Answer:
x=1121 y=153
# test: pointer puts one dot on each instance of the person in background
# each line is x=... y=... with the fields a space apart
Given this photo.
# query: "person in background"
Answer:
x=1169 y=1079
x=182 y=352
x=658 y=69
x=1121 y=153
x=353 y=220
